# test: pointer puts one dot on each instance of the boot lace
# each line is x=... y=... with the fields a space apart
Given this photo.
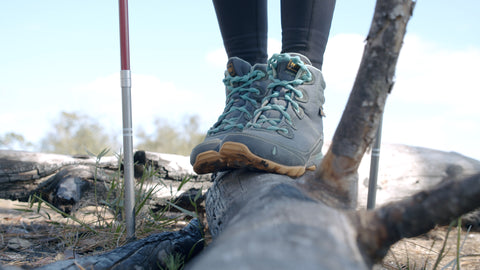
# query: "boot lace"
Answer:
x=282 y=95
x=240 y=90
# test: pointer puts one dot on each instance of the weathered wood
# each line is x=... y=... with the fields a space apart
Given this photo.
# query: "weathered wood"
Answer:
x=147 y=253
x=415 y=215
x=64 y=180
x=22 y=173
x=266 y=221
x=406 y=170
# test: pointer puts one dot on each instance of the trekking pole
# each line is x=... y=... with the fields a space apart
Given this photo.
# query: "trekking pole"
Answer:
x=372 y=182
x=126 y=83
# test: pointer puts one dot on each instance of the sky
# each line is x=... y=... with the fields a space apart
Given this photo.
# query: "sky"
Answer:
x=58 y=55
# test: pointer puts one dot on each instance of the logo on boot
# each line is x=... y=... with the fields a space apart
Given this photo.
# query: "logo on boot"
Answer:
x=231 y=69
x=291 y=66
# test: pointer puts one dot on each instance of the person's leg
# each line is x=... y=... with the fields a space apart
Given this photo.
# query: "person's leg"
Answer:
x=305 y=27
x=243 y=25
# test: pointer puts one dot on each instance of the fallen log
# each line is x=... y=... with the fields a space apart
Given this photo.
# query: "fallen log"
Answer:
x=64 y=180
x=267 y=221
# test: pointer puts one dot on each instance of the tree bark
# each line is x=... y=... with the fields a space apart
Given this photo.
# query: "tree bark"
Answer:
x=267 y=221
x=65 y=180
x=415 y=215
x=359 y=123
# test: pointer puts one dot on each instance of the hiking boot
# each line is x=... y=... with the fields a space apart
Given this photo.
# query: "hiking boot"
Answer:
x=286 y=134
x=245 y=87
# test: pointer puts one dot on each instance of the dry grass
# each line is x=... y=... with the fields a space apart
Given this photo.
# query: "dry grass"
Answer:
x=422 y=252
x=32 y=239
x=57 y=238
x=37 y=233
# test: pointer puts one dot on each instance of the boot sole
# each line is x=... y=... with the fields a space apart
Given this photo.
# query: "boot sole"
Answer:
x=237 y=155
x=208 y=162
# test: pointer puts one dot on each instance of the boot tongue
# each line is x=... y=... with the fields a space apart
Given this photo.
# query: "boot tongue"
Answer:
x=238 y=67
x=288 y=70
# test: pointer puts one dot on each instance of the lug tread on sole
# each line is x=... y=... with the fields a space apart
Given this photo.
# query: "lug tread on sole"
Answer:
x=209 y=161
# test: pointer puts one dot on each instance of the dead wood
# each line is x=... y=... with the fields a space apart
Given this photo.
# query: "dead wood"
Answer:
x=359 y=123
x=24 y=173
x=426 y=209
x=64 y=180
x=415 y=215
x=266 y=221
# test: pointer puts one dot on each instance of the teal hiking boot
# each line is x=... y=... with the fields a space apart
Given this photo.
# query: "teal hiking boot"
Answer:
x=245 y=88
x=286 y=134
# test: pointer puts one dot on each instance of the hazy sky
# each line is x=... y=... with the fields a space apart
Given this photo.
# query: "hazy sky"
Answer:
x=58 y=55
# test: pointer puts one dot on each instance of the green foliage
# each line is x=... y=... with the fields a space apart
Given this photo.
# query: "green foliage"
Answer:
x=37 y=199
x=442 y=252
x=73 y=133
x=14 y=141
x=174 y=261
x=167 y=138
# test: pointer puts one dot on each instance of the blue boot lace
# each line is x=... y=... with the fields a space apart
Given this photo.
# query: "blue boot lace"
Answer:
x=240 y=90
x=280 y=97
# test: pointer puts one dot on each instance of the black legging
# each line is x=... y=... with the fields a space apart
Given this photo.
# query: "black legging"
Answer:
x=305 y=28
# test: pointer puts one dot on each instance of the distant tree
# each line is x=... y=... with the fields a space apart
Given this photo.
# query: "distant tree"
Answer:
x=170 y=138
x=14 y=141
x=194 y=136
x=75 y=133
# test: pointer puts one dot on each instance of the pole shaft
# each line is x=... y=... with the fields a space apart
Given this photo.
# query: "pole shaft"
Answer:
x=375 y=158
x=124 y=35
x=128 y=154
x=125 y=78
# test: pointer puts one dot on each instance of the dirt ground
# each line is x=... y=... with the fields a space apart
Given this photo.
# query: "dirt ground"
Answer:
x=29 y=240
x=422 y=252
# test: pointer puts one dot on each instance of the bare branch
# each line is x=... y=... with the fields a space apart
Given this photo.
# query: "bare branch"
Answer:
x=374 y=80
x=416 y=215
